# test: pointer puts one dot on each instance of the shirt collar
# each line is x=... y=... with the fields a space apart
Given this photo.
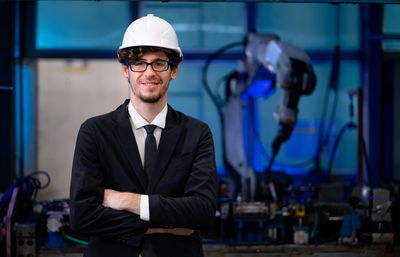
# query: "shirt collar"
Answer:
x=138 y=121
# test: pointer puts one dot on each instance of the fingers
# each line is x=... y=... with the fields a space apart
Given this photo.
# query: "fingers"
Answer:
x=111 y=199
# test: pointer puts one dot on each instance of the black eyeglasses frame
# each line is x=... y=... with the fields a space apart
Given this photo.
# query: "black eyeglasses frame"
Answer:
x=169 y=63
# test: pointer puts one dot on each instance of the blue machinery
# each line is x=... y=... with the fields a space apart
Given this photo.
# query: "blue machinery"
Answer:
x=262 y=209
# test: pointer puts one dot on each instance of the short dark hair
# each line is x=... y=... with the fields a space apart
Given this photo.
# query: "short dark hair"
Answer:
x=132 y=54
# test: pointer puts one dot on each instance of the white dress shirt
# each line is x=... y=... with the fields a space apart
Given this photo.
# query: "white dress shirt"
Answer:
x=138 y=123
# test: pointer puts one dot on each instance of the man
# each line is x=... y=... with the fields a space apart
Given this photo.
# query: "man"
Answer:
x=141 y=192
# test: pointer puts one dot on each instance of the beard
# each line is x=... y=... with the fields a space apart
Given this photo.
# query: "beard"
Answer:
x=151 y=98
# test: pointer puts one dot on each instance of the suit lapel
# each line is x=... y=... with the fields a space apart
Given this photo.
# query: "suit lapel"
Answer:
x=128 y=143
x=168 y=141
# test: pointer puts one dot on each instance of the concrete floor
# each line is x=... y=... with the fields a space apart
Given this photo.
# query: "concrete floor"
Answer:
x=264 y=251
x=298 y=251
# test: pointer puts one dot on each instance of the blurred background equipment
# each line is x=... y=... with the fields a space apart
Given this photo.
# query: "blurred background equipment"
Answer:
x=18 y=233
x=268 y=63
x=266 y=206
x=25 y=239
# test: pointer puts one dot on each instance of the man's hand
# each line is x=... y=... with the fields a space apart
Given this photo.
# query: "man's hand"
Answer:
x=122 y=201
x=174 y=231
x=126 y=201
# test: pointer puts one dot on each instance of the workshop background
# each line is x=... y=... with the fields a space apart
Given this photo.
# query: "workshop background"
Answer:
x=333 y=185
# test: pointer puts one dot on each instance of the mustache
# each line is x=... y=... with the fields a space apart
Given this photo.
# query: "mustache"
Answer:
x=150 y=80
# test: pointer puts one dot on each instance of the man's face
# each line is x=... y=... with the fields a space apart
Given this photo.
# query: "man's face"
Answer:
x=150 y=86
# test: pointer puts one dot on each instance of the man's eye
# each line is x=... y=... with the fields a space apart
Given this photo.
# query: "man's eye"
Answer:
x=159 y=64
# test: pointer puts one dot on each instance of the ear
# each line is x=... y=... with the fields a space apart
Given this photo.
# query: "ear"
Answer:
x=125 y=70
x=174 y=72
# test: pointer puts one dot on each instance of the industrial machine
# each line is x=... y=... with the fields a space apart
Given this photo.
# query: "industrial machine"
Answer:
x=265 y=208
x=280 y=65
x=267 y=64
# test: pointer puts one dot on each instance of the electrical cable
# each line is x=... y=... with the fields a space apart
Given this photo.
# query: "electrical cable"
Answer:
x=323 y=137
x=347 y=126
x=217 y=102
x=334 y=80
x=322 y=123
x=222 y=82
x=29 y=186
x=5 y=199
x=368 y=164
x=73 y=239
x=268 y=157
x=315 y=225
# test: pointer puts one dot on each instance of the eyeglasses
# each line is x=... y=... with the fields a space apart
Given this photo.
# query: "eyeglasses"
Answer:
x=141 y=66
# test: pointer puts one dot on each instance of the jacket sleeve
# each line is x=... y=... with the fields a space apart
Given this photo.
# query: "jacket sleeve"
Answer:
x=196 y=208
x=87 y=214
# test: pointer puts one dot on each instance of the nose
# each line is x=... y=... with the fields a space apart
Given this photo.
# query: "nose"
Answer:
x=149 y=71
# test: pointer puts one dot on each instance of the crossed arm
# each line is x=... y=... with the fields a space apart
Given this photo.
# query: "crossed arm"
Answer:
x=126 y=201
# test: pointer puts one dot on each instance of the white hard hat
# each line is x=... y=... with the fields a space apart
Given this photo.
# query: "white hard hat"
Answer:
x=151 y=31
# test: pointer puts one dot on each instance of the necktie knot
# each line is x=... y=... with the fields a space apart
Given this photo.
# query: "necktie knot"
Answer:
x=150 y=128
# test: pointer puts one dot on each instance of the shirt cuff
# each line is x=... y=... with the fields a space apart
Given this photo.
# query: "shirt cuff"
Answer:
x=144 y=208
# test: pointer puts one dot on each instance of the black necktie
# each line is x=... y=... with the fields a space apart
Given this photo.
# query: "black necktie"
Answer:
x=150 y=149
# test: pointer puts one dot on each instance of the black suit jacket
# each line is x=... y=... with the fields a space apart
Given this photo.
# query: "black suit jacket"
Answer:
x=182 y=192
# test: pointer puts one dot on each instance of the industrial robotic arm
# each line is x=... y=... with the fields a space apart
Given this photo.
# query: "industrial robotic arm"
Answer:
x=293 y=73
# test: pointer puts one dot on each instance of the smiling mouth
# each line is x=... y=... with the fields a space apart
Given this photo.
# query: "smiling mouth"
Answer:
x=152 y=83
